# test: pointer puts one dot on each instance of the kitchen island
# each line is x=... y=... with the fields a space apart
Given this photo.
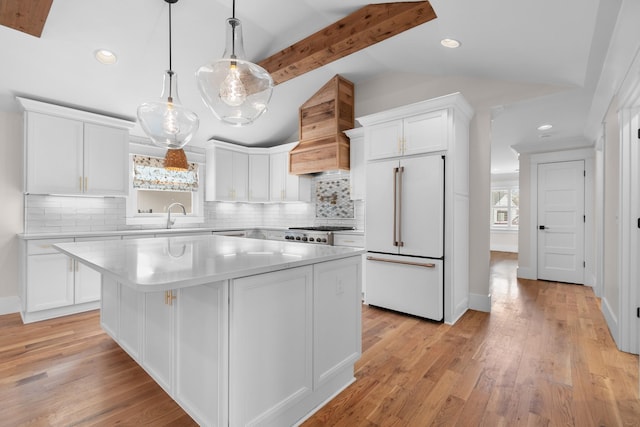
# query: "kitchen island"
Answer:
x=237 y=331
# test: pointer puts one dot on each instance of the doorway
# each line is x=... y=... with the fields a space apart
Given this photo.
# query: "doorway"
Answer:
x=561 y=220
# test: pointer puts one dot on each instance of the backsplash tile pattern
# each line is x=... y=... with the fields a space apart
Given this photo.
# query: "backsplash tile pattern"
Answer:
x=333 y=199
x=62 y=214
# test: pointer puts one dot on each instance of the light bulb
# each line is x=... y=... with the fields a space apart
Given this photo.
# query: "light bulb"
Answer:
x=232 y=91
x=170 y=120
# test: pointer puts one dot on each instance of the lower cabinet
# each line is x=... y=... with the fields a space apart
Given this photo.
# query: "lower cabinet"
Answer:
x=295 y=335
x=179 y=337
x=53 y=284
x=260 y=350
x=271 y=346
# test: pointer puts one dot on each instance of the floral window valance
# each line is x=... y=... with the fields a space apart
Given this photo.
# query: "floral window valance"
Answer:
x=149 y=173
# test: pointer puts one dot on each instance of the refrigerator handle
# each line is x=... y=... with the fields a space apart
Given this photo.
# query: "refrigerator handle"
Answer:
x=417 y=264
x=400 y=173
x=395 y=205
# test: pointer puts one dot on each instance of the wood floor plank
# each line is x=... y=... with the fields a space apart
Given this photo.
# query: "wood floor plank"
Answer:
x=543 y=357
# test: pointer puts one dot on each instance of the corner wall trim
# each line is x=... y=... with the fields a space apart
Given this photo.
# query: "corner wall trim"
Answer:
x=480 y=302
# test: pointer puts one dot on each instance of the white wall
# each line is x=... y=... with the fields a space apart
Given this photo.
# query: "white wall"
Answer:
x=12 y=211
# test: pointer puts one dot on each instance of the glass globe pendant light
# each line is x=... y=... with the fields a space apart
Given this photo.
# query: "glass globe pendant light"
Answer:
x=237 y=91
x=166 y=121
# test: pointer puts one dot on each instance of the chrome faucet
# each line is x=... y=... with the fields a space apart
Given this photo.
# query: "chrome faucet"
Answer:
x=169 y=222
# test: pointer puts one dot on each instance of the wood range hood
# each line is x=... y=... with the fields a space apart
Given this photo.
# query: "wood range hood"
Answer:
x=323 y=146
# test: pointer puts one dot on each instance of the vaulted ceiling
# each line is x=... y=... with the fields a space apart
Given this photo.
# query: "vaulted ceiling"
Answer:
x=527 y=63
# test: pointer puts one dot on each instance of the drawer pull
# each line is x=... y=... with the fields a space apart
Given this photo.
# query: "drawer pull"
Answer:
x=417 y=264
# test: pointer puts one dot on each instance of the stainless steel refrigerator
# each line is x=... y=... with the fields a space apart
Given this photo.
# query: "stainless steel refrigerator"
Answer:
x=405 y=235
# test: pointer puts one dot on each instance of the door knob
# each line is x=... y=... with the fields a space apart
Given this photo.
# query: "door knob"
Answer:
x=542 y=227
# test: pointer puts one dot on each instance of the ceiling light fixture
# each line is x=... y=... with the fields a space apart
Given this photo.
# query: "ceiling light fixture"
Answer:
x=237 y=91
x=166 y=121
x=105 y=56
x=450 y=43
x=545 y=127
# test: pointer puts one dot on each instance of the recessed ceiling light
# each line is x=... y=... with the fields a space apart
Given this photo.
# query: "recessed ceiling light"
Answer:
x=106 y=57
x=545 y=127
x=450 y=43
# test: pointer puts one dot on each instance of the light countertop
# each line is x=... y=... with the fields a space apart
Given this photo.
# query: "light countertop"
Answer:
x=164 y=263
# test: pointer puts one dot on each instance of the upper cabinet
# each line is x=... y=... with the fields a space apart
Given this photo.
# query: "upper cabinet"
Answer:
x=74 y=152
x=286 y=187
x=418 y=134
x=357 y=170
x=241 y=174
x=229 y=179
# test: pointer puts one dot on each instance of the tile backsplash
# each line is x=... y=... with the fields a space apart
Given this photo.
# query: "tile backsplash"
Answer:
x=60 y=214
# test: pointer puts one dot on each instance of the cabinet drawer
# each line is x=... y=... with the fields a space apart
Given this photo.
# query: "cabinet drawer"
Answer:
x=354 y=240
x=45 y=246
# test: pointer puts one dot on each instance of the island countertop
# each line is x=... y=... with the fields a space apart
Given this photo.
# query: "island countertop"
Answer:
x=164 y=263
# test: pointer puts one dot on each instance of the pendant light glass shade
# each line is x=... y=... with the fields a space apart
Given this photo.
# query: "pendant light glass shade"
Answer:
x=166 y=121
x=237 y=91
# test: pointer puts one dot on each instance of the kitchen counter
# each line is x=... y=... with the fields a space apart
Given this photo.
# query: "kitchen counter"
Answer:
x=139 y=232
x=164 y=263
x=237 y=331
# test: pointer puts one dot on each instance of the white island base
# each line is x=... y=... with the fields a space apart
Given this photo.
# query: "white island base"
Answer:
x=260 y=350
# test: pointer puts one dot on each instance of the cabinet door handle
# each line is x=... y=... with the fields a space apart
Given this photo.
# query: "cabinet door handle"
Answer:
x=80 y=183
x=86 y=183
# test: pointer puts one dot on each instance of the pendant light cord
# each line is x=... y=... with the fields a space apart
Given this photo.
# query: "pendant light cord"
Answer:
x=170 y=99
x=170 y=68
x=233 y=30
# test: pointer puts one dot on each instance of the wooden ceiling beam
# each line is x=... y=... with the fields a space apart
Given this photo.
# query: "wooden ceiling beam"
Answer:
x=359 y=30
x=28 y=16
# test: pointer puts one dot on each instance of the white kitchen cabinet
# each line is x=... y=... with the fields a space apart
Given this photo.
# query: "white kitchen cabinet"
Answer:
x=336 y=318
x=285 y=187
x=259 y=177
x=110 y=306
x=50 y=278
x=74 y=152
x=175 y=347
x=158 y=337
x=422 y=133
x=201 y=358
x=268 y=374
x=87 y=280
x=356 y=163
x=106 y=154
x=229 y=178
x=179 y=337
x=55 y=285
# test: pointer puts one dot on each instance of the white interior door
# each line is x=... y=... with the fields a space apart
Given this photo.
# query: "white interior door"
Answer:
x=561 y=221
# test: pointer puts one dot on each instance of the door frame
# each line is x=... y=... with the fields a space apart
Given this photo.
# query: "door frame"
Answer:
x=586 y=155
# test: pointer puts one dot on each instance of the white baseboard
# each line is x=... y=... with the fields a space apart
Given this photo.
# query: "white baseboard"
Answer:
x=526 y=273
x=611 y=319
x=480 y=302
x=504 y=248
x=9 y=305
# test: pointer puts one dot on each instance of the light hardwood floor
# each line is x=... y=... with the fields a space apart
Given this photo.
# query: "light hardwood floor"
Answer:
x=543 y=357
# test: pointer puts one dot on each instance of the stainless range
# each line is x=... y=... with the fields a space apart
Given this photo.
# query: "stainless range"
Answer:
x=319 y=235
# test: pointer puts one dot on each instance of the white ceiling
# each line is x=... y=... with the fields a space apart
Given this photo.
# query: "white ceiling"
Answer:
x=527 y=62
